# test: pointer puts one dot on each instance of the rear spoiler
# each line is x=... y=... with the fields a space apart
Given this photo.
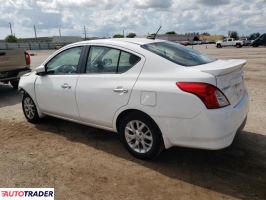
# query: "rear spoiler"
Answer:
x=221 y=67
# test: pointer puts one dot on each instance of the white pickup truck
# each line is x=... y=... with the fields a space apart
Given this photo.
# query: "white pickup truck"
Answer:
x=229 y=42
x=13 y=64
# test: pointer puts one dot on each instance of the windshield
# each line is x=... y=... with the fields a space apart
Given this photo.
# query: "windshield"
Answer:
x=178 y=54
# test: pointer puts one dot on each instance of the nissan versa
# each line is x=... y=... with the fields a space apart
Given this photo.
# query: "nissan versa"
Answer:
x=155 y=94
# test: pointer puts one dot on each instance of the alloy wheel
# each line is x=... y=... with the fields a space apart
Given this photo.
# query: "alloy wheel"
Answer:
x=138 y=136
x=29 y=108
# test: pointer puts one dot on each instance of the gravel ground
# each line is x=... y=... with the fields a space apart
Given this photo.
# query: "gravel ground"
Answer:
x=85 y=163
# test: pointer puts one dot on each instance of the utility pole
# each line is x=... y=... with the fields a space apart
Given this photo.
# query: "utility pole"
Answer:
x=10 y=25
x=35 y=33
x=124 y=33
x=85 y=33
x=59 y=32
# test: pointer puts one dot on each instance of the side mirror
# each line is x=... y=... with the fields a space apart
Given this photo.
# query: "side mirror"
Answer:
x=40 y=70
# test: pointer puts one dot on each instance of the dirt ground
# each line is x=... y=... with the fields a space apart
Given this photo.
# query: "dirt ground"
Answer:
x=85 y=163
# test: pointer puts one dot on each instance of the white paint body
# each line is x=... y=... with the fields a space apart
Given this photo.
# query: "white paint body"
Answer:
x=182 y=117
x=229 y=42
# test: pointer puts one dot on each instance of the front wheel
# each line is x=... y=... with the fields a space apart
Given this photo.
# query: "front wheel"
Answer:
x=141 y=136
x=30 y=109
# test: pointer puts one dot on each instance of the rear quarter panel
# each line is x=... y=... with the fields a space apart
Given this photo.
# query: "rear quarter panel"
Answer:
x=159 y=77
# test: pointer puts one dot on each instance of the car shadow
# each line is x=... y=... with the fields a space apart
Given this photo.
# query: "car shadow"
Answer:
x=9 y=96
x=238 y=171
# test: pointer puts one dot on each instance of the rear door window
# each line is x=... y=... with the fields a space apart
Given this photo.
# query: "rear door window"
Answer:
x=102 y=60
x=109 y=60
x=126 y=61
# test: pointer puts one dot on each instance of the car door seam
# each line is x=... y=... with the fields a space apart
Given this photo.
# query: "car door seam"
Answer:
x=130 y=91
x=76 y=97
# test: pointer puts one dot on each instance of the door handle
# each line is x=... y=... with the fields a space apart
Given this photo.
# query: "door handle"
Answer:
x=65 y=86
x=120 y=90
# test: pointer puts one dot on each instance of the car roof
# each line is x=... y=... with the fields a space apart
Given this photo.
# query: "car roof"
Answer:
x=131 y=44
x=121 y=41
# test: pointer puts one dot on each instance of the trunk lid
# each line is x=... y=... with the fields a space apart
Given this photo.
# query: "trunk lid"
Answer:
x=229 y=76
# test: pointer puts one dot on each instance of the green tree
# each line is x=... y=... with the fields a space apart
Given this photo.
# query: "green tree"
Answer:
x=118 y=36
x=253 y=36
x=11 y=39
x=171 y=33
x=233 y=34
x=131 y=35
x=206 y=33
x=196 y=38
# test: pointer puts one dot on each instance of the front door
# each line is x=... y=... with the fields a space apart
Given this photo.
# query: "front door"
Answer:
x=107 y=83
x=55 y=91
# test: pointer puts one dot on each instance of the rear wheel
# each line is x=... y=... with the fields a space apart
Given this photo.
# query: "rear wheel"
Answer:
x=141 y=136
x=219 y=46
x=238 y=45
x=14 y=84
x=30 y=109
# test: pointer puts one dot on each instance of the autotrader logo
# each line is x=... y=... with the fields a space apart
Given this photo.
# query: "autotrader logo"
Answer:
x=27 y=193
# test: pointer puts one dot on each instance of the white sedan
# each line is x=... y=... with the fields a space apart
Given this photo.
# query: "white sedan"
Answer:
x=155 y=94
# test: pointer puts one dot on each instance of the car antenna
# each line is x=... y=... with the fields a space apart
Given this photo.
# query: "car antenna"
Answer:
x=157 y=32
x=153 y=36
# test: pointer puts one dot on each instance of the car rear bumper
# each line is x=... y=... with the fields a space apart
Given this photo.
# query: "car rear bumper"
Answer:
x=213 y=129
x=13 y=74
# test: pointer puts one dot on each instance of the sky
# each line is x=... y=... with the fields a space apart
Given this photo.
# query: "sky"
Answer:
x=104 y=18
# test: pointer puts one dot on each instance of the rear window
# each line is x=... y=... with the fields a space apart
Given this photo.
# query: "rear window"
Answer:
x=178 y=54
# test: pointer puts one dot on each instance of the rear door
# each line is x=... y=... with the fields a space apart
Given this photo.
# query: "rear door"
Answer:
x=55 y=91
x=107 y=83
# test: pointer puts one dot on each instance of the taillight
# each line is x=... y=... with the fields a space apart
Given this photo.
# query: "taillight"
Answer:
x=210 y=95
x=27 y=58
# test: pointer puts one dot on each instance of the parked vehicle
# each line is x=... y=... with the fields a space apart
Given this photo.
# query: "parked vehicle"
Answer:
x=229 y=42
x=205 y=42
x=185 y=43
x=13 y=64
x=260 y=41
x=199 y=42
x=247 y=42
x=155 y=94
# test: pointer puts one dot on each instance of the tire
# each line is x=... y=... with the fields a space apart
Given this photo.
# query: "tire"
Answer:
x=14 y=84
x=219 y=46
x=238 y=45
x=30 y=109
x=147 y=141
